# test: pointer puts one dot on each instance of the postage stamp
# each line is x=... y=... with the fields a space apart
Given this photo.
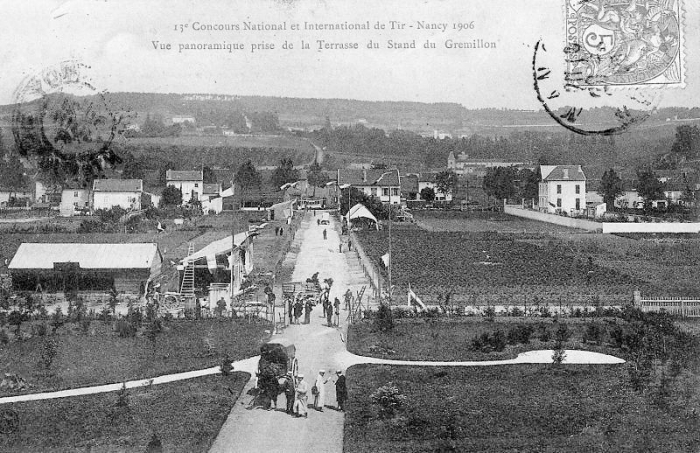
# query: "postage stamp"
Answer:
x=625 y=42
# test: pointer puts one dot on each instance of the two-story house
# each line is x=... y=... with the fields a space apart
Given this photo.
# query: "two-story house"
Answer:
x=190 y=183
x=563 y=189
x=74 y=201
x=126 y=193
x=381 y=183
x=427 y=180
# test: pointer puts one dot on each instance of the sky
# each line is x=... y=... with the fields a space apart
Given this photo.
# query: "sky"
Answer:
x=121 y=43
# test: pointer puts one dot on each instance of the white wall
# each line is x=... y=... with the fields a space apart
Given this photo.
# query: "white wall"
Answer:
x=187 y=188
x=516 y=210
x=662 y=227
x=567 y=196
x=106 y=200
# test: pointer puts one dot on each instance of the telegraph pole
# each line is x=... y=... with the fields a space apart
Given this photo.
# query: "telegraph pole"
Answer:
x=234 y=227
x=391 y=258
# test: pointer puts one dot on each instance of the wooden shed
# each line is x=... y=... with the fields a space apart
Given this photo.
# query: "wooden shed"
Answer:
x=128 y=268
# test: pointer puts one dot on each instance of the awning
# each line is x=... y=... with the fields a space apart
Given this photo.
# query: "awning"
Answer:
x=359 y=210
x=220 y=247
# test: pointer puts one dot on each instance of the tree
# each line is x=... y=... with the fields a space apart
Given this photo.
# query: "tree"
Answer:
x=499 y=182
x=649 y=187
x=133 y=169
x=247 y=176
x=687 y=143
x=315 y=175
x=610 y=188
x=529 y=183
x=208 y=175
x=348 y=201
x=427 y=194
x=12 y=172
x=171 y=196
x=446 y=181
x=285 y=173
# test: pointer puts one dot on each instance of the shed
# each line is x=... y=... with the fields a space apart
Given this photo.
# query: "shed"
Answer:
x=128 y=268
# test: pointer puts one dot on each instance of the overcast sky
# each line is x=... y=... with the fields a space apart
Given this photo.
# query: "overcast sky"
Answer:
x=115 y=38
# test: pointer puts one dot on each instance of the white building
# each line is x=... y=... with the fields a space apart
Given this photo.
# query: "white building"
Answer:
x=183 y=119
x=190 y=183
x=563 y=189
x=380 y=183
x=73 y=201
x=126 y=193
x=428 y=180
x=462 y=164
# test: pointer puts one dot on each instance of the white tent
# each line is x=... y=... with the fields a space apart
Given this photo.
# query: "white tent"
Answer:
x=359 y=210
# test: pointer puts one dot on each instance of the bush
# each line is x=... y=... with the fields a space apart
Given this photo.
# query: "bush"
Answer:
x=4 y=338
x=49 y=351
x=519 y=334
x=594 y=333
x=39 y=330
x=389 y=400
x=385 y=319
x=545 y=335
x=490 y=313
x=125 y=328
x=487 y=343
x=562 y=333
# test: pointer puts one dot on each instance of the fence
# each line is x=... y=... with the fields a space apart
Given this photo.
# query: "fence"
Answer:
x=375 y=278
x=679 y=306
x=570 y=222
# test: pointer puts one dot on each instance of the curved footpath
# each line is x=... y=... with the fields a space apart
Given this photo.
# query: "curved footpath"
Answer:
x=251 y=429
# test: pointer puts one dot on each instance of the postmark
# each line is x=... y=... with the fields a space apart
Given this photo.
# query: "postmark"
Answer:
x=625 y=42
x=614 y=61
x=63 y=124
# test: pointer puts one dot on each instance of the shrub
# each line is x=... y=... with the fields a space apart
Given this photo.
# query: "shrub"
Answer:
x=545 y=335
x=49 y=351
x=389 y=400
x=4 y=338
x=516 y=312
x=385 y=320
x=57 y=320
x=39 y=330
x=490 y=313
x=519 y=334
x=594 y=333
x=562 y=333
x=125 y=328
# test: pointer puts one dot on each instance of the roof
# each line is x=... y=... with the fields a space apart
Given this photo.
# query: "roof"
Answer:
x=281 y=205
x=88 y=256
x=372 y=177
x=117 y=185
x=218 y=247
x=184 y=175
x=562 y=173
x=211 y=188
x=409 y=183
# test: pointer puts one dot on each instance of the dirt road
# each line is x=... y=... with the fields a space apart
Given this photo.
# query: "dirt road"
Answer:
x=252 y=429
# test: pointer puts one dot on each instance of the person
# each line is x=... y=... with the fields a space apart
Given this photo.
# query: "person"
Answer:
x=277 y=231
x=281 y=231
x=307 y=311
x=341 y=390
x=340 y=247
x=329 y=314
x=289 y=391
x=325 y=234
x=302 y=397
x=349 y=245
x=320 y=395
x=298 y=308
x=290 y=308
x=348 y=299
x=318 y=221
x=336 y=305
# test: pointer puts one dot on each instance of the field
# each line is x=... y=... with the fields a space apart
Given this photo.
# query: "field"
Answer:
x=526 y=408
x=477 y=221
x=238 y=141
x=186 y=416
x=497 y=268
x=451 y=340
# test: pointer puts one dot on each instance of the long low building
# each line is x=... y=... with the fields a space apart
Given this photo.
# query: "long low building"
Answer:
x=61 y=267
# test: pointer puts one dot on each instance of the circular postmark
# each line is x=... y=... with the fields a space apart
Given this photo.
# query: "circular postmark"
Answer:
x=63 y=125
x=617 y=57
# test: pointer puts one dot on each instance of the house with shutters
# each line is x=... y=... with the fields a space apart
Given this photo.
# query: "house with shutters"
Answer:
x=381 y=183
x=190 y=183
x=562 y=190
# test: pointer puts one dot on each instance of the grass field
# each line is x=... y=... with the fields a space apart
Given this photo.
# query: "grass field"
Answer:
x=242 y=141
x=444 y=339
x=477 y=221
x=99 y=356
x=513 y=408
x=185 y=415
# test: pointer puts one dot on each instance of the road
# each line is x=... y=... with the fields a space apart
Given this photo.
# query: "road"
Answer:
x=253 y=429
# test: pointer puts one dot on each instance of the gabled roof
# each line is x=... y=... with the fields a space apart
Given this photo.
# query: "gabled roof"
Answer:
x=562 y=173
x=88 y=256
x=372 y=177
x=184 y=175
x=222 y=246
x=409 y=183
x=117 y=185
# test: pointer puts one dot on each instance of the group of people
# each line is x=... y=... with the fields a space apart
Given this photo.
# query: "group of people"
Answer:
x=298 y=307
x=303 y=305
x=297 y=393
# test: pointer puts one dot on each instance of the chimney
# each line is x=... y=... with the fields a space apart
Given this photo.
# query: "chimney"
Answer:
x=566 y=173
x=364 y=175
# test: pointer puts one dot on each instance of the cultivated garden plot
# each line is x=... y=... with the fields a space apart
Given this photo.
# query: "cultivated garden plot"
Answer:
x=477 y=221
x=480 y=269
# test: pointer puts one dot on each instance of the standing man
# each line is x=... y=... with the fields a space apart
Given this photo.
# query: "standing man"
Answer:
x=307 y=311
x=290 y=309
x=329 y=314
x=289 y=392
x=348 y=299
x=341 y=390
x=325 y=234
x=336 y=306
x=302 y=390
x=320 y=394
x=298 y=309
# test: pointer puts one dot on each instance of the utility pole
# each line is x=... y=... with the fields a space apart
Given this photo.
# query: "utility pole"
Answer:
x=391 y=258
x=234 y=228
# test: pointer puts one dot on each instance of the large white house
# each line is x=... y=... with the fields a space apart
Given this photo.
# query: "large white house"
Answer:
x=428 y=180
x=190 y=183
x=381 y=183
x=563 y=189
x=126 y=193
